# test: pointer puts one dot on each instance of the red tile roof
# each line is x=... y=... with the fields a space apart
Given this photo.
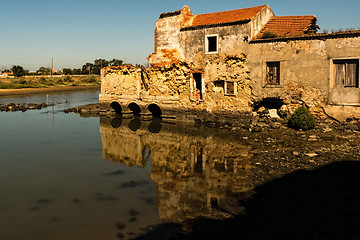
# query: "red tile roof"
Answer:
x=310 y=36
x=225 y=17
x=287 y=26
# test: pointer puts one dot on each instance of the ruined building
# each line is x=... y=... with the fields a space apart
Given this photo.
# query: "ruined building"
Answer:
x=223 y=64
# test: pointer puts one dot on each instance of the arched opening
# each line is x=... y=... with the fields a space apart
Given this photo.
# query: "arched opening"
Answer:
x=116 y=106
x=155 y=110
x=269 y=103
x=135 y=108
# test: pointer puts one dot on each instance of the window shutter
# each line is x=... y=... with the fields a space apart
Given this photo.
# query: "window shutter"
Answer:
x=351 y=72
x=340 y=74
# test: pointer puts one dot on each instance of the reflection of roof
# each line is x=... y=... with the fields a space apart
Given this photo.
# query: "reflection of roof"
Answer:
x=219 y=18
x=285 y=26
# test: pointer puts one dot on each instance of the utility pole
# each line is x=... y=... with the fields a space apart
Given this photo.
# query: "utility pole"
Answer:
x=52 y=66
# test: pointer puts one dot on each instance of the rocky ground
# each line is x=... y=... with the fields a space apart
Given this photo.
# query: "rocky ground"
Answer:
x=13 y=107
x=305 y=183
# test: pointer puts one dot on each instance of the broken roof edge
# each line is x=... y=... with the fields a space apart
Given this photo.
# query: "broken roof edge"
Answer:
x=215 y=25
x=225 y=23
x=174 y=13
x=315 y=36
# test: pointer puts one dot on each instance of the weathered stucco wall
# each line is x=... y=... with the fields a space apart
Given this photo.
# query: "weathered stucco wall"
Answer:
x=230 y=41
x=259 y=21
x=168 y=42
x=306 y=70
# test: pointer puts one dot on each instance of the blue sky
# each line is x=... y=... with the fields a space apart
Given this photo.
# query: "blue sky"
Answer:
x=74 y=32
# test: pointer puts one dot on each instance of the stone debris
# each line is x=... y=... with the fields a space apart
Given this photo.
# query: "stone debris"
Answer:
x=312 y=154
x=14 y=107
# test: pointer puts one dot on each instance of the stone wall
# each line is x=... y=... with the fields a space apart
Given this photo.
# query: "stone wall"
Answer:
x=174 y=87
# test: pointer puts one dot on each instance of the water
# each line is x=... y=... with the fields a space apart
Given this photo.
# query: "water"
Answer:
x=63 y=176
x=54 y=183
x=67 y=177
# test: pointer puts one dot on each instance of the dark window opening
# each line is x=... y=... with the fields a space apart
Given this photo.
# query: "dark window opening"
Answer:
x=346 y=73
x=212 y=44
x=230 y=88
x=135 y=108
x=273 y=73
x=198 y=85
x=116 y=106
x=220 y=84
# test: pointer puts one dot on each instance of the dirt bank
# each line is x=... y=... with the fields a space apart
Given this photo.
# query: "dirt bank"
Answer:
x=24 y=91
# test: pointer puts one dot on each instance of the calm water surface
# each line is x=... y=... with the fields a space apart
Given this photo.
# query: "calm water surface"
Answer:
x=63 y=176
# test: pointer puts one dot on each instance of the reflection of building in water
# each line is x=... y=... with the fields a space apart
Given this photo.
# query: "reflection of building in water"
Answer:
x=197 y=175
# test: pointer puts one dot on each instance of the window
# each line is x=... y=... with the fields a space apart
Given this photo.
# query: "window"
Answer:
x=229 y=88
x=211 y=43
x=346 y=73
x=273 y=73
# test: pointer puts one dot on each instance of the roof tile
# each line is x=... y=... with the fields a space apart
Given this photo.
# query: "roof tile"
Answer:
x=286 y=26
x=225 y=17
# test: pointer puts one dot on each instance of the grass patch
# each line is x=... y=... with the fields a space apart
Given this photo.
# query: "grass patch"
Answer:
x=44 y=82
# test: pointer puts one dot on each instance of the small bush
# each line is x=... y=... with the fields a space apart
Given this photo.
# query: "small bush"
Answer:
x=92 y=79
x=68 y=79
x=302 y=119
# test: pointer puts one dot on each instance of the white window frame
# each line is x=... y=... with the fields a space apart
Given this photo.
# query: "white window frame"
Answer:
x=225 y=88
x=207 y=44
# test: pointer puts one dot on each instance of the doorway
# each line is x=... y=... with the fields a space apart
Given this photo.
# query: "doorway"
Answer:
x=198 y=86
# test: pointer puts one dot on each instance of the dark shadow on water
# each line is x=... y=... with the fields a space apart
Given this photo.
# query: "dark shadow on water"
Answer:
x=155 y=125
x=320 y=204
x=134 y=124
x=116 y=122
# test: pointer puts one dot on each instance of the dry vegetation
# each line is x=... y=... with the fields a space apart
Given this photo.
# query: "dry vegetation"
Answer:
x=47 y=81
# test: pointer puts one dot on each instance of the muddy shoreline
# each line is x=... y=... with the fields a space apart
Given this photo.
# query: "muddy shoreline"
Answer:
x=28 y=91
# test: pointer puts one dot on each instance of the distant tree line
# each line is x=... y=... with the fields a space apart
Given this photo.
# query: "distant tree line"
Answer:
x=87 y=68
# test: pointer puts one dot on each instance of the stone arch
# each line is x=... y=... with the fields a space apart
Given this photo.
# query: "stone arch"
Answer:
x=269 y=102
x=135 y=108
x=116 y=106
x=155 y=110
